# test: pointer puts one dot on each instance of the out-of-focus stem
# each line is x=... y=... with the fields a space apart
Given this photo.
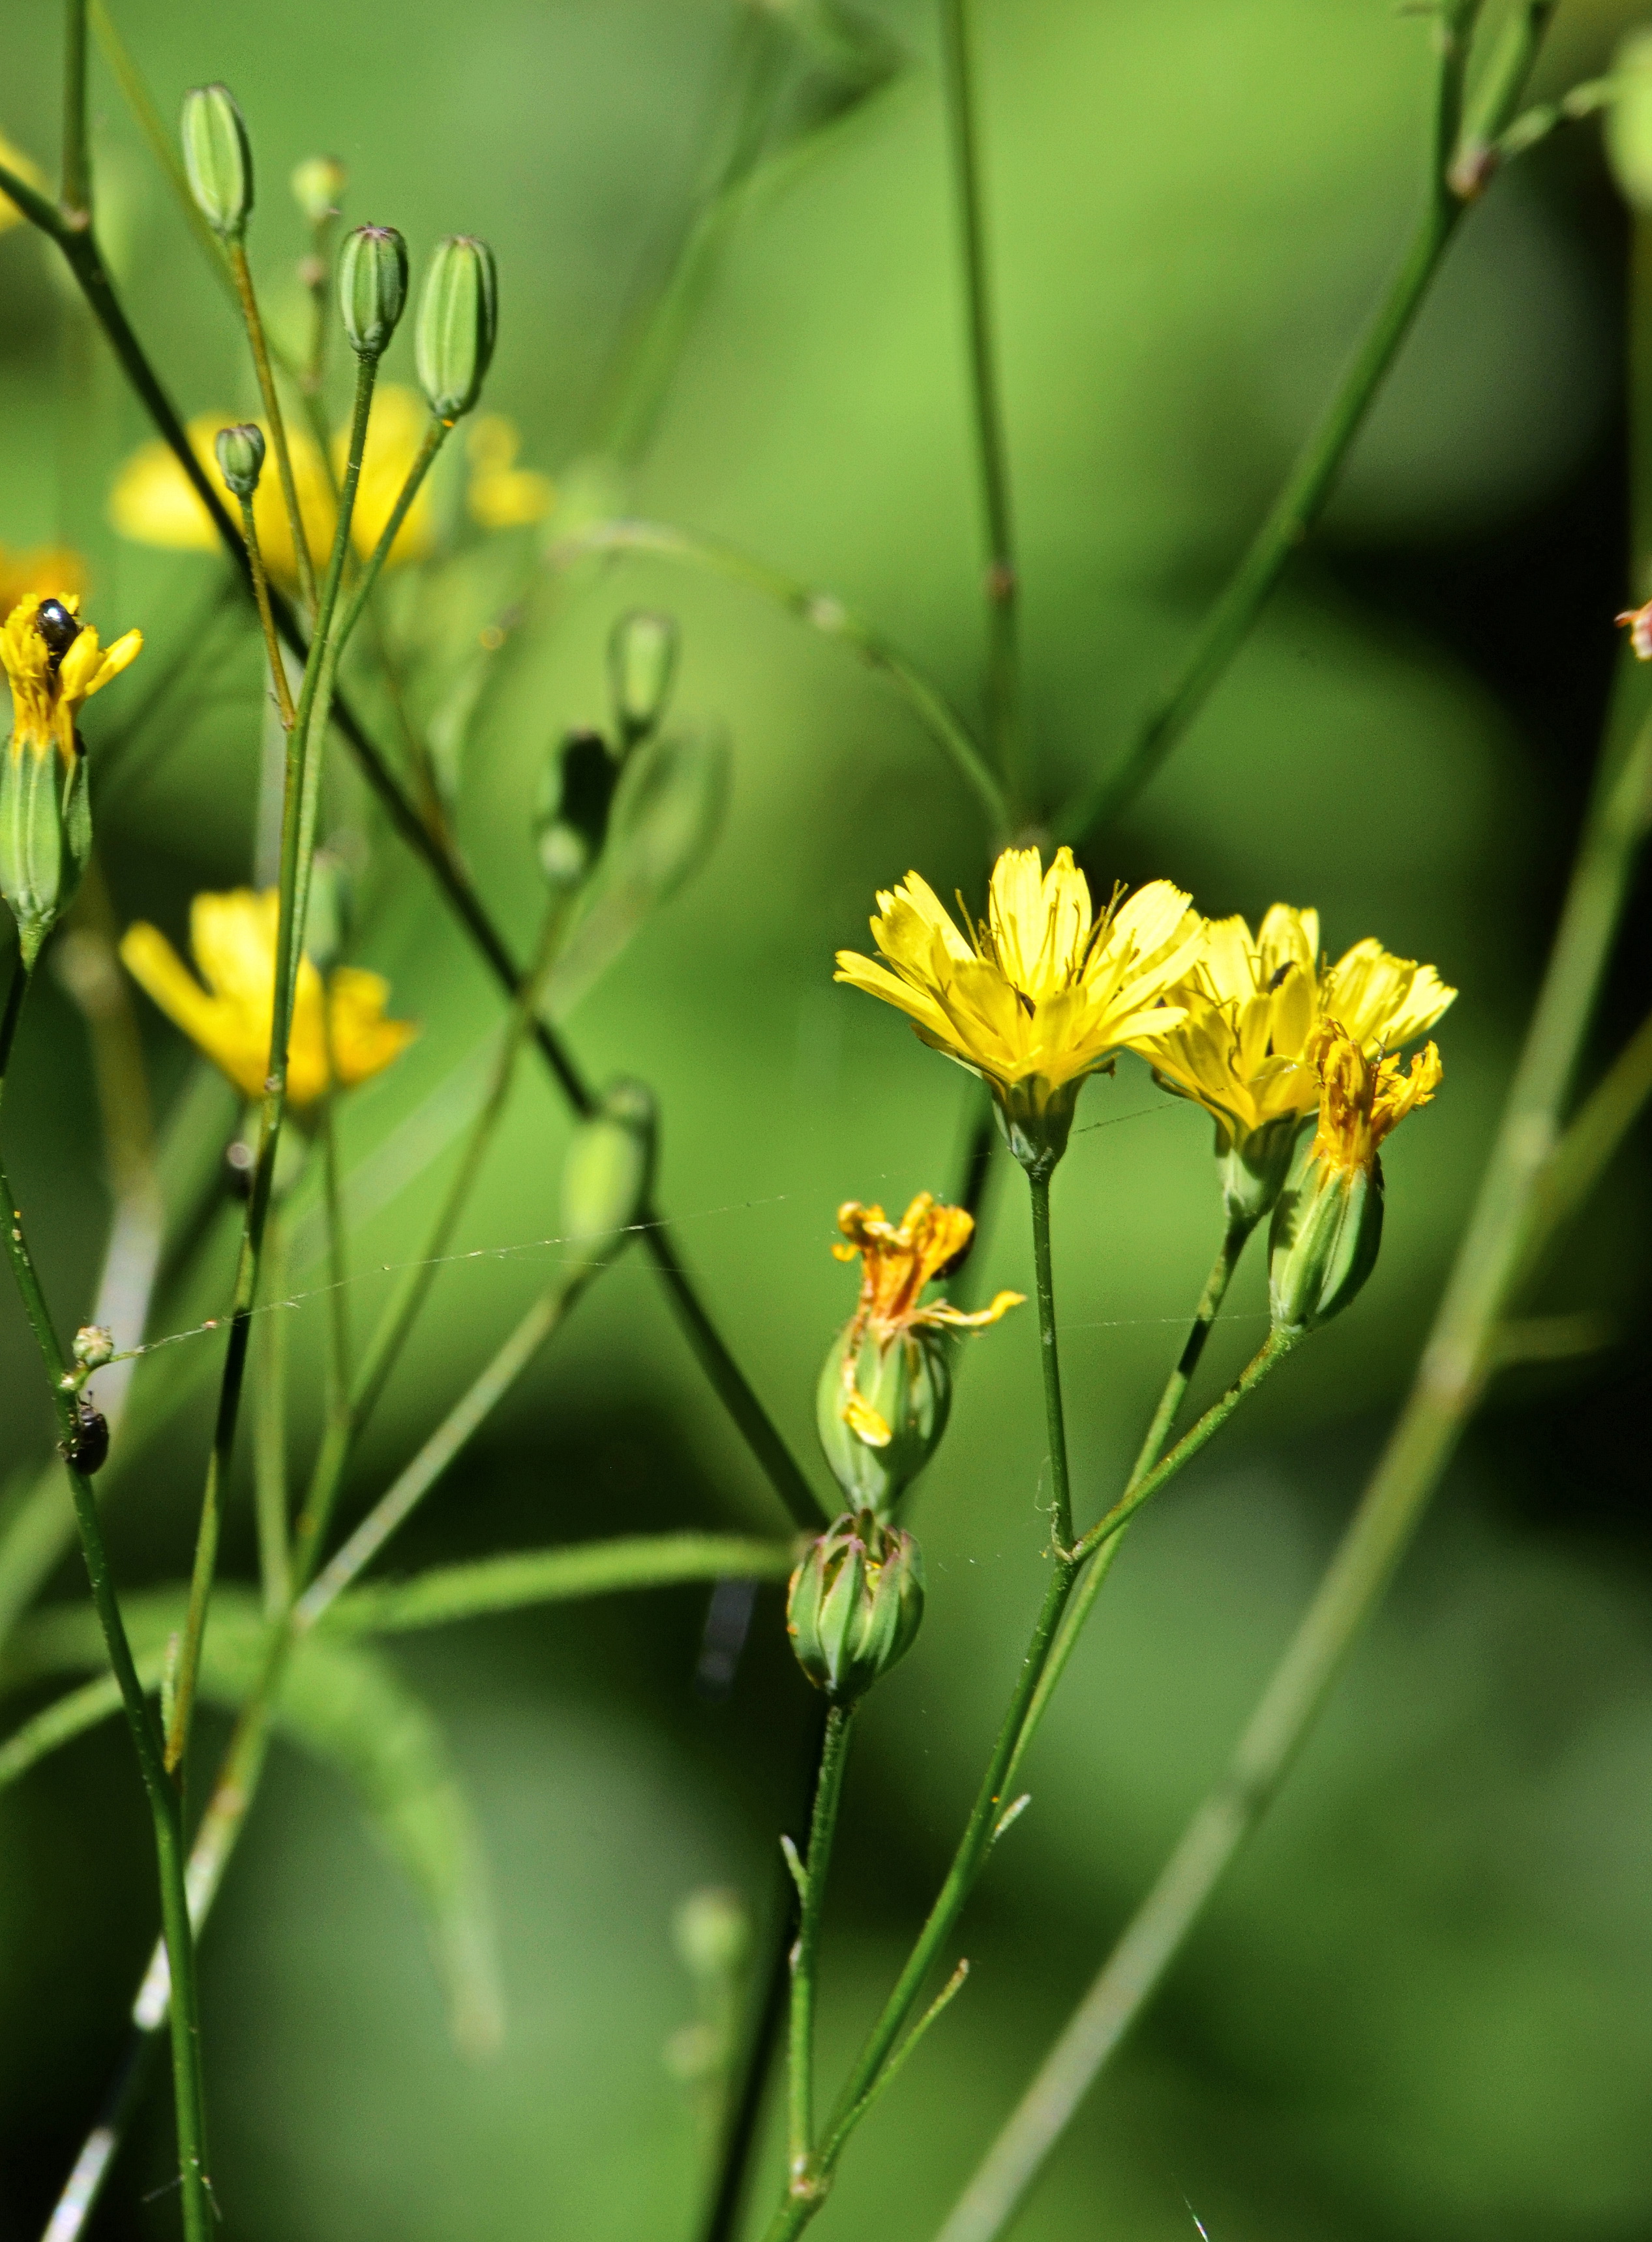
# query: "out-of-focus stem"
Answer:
x=242 y=275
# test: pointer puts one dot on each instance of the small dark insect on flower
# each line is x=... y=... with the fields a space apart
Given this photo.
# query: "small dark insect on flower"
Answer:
x=88 y=1451
x=57 y=627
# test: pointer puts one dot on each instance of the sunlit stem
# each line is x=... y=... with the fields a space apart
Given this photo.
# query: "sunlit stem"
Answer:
x=254 y=322
x=805 y=1952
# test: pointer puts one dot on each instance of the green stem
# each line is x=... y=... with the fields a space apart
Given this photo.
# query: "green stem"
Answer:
x=1309 y=485
x=165 y=1813
x=828 y=1790
x=298 y=842
x=820 y=611
x=77 y=166
x=1456 y=1360
x=1170 y=1401
x=242 y=276
x=991 y=448
x=1049 y=1354
x=266 y=618
x=435 y=436
x=269 y=1430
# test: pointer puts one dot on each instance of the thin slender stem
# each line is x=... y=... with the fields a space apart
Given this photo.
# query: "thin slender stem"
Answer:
x=242 y=276
x=1229 y=622
x=298 y=842
x=991 y=448
x=820 y=611
x=805 y=1952
x=1170 y=1401
x=267 y=619
x=76 y=161
x=165 y=1813
x=1049 y=1355
x=436 y=435
x=1459 y=1355
x=269 y=1431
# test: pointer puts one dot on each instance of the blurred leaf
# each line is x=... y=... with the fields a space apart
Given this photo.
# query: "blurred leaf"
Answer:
x=349 y=1708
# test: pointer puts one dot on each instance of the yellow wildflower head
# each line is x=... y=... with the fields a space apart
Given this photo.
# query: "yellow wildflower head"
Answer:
x=501 y=495
x=1362 y=1100
x=54 y=663
x=1255 y=1008
x=340 y=1036
x=1327 y=1229
x=1041 y=992
x=886 y=1389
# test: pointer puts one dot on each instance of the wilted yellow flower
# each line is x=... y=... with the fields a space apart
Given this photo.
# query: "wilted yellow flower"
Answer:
x=502 y=495
x=1041 y=992
x=51 y=570
x=340 y=1038
x=54 y=670
x=25 y=168
x=1255 y=1008
x=153 y=501
x=1363 y=1101
x=885 y=1391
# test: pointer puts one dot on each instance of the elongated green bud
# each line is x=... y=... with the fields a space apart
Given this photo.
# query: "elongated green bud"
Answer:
x=458 y=322
x=880 y=1417
x=1252 y=1168
x=1324 y=1243
x=39 y=873
x=217 y=156
x=855 y=1604
x=373 y=287
x=608 y=1173
x=643 y=660
x=318 y=186
x=240 y=457
x=575 y=797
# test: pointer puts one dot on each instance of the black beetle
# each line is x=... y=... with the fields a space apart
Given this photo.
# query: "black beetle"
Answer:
x=88 y=1451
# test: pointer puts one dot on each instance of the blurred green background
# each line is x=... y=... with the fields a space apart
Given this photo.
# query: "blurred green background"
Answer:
x=1419 y=2009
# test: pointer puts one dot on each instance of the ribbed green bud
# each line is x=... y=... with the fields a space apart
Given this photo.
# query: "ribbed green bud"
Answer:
x=372 y=286
x=575 y=798
x=318 y=186
x=1252 y=1168
x=1324 y=1243
x=45 y=838
x=608 y=1173
x=903 y=1390
x=458 y=322
x=855 y=1604
x=643 y=660
x=217 y=156
x=240 y=457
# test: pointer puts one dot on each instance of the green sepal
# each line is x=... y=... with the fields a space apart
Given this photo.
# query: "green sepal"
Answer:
x=1325 y=1237
x=1252 y=1166
x=855 y=1604
x=45 y=840
x=910 y=1385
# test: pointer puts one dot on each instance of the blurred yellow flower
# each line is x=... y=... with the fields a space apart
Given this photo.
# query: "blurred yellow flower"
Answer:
x=30 y=173
x=52 y=571
x=53 y=671
x=1040 y=993
x=502 y=495
x=1255 y=1004
x=340 y=1036
x=1361 y=1102
x=153 y=502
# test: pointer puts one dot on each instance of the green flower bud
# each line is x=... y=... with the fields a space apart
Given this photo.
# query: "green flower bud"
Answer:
x=217 y=156
x=608 y=1173
x=318 y=186
x=93 y=1347
x=881 y=1422
x=240 y=457
x=373 y=287
x=1325 y=1236
x=1252 y=1167
x=45 y=838
x=458 y=321
x=642 y=657
x=855 y=1604
x=575 y=797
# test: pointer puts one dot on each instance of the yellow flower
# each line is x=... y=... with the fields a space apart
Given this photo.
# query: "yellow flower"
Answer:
x=53 y=679
x=885 y=1392
x=502 y=495
x=1360 y=1103
x=30 y=173
x=52 y=571
x=1254 y=1005
x=153 y=501
x=1041 y=993
x=340 y=1036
